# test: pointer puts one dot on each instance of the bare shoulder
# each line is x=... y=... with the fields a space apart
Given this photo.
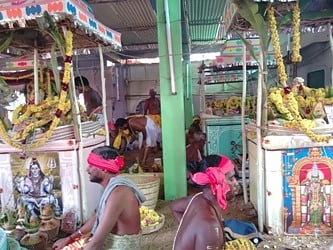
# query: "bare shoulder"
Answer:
x=121 y=197
x=122 y=192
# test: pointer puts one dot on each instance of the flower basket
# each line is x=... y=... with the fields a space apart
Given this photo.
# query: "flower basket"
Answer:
x=149 y=184
x=153 y=228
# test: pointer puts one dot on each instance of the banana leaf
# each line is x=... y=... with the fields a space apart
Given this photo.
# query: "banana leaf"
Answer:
x=249 y=10
x=4 y=43
x=47 y=24
x=54 y=64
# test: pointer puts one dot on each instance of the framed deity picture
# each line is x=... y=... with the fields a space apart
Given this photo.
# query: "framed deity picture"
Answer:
x=307 y=188
x=36 y=181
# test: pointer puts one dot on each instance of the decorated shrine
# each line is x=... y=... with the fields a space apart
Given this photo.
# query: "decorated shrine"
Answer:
x=289 y=144
x=44 y=186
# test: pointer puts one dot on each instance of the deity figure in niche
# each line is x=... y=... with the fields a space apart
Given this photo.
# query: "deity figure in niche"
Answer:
x=315 y=202
x=315 y=195
x=309 y=207
x=36 y=190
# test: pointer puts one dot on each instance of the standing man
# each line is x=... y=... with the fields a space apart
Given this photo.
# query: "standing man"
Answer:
x=152 y=104
x=92 y=99
x=116 y=224
x=152 y=107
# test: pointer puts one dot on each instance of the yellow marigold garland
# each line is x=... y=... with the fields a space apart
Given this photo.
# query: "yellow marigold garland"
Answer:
x=292 y=105
x=61 y=103
x=295 y=55
x=276 y=45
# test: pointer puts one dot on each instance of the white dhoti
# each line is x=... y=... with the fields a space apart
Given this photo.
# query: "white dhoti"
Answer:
x=153 y=132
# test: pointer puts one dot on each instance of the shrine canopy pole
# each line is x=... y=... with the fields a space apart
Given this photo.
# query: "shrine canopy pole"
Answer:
x=36 y=84
x=244 y=146
x=261 y=175
x=101 y=60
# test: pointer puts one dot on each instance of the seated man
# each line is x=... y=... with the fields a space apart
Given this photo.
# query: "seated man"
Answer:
x=116 y=224
x=200 y=215
x=195 y=127
x=195 y=149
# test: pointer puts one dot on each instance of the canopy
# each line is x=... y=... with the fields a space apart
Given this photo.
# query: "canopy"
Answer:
x=22 y=17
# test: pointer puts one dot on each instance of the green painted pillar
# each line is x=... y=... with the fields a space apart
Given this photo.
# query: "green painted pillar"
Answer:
x=188 y=99
x=172 y=102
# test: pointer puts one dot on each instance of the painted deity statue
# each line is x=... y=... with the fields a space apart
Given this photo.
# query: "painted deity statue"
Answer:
x=317 y=201
x=36 y=190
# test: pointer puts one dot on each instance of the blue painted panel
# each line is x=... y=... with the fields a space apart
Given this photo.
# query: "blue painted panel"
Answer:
x=224 y=136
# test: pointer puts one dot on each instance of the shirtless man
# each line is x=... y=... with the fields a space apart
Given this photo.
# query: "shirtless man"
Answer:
x=200 y=215
x=116 y=224
x=92 y=99
x=152 y=104
x=195 y=149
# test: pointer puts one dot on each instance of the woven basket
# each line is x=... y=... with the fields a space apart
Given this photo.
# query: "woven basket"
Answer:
x=149 y=184
x=154 y=228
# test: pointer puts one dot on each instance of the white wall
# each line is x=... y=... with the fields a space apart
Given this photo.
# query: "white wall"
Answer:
x=319 y=60
x=138 y=80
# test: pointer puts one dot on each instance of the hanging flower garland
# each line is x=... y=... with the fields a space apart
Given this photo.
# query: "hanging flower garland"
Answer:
x=295 y=54
x=292 y=105
x=276 y=45
x=62 y=104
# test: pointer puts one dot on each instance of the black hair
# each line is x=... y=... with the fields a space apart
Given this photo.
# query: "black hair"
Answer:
x=35 y=162
x=201 y=166
x=106 y=152
x=120 y=122
x=81 y=81
x=212 y=160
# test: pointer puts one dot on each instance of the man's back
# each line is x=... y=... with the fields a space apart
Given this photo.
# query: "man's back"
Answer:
x=129 y=220
x=206 y=229
x=123 y=202
x=92 y=100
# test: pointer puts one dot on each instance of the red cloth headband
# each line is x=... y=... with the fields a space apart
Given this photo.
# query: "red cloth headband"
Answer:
x=226 y=164
x=112 y=165
x=215 y=176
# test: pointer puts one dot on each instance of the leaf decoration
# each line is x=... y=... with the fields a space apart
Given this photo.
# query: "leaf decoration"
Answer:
x=4 y=43
x=47 y=24
x=249 y=10
x=54 y=64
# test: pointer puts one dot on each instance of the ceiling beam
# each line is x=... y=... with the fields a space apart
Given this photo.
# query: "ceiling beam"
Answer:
x=214 y=21
x=109 y=1
x=137 y=28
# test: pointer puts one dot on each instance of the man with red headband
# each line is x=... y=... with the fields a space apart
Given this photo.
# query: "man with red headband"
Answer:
x=200 y=215
x=116 y=224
